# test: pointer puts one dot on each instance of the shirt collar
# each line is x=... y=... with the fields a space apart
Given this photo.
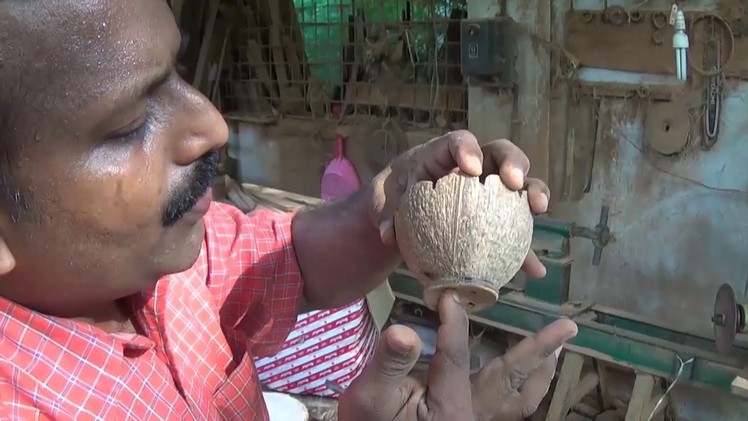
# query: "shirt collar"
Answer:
x=56 y=327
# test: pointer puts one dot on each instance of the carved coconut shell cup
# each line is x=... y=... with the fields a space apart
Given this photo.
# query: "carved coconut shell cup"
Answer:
x=464 y=235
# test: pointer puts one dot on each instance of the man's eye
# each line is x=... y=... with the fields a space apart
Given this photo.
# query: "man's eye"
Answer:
x=138 y=132
x=131 y=135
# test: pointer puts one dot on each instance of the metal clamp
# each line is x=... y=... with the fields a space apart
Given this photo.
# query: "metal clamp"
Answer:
x=600 y=235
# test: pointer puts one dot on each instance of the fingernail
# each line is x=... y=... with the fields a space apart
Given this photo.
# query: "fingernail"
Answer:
x=519 y=174
x=543 y=271
x=456 y=298
x=477 y=164
x=544 y=202
x=558 y=352
x=384 y=227
x=398 y=347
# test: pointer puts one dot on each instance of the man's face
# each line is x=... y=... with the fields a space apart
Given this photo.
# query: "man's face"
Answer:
x=115 y=150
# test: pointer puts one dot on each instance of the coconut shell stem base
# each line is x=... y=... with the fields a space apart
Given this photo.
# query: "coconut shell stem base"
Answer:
x=475 y=296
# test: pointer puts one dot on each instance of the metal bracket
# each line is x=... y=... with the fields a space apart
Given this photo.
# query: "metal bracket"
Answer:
x=600 y=235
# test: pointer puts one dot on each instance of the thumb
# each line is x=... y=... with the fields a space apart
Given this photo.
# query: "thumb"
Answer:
x=388 y=187
x=380 y=392
x=395 y=356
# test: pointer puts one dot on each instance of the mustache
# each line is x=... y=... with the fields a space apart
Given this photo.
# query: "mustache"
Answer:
x=184 y=198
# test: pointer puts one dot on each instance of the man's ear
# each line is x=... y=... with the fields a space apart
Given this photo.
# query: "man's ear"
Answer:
x=7 y=260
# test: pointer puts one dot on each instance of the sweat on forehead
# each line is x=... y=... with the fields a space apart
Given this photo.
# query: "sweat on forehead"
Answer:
x=71 y=51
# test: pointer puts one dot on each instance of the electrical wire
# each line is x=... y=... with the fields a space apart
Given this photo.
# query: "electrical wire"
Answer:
x=728 y=57
x=681 y=366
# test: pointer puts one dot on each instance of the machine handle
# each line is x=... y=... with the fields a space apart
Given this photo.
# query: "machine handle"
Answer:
x=600 y=235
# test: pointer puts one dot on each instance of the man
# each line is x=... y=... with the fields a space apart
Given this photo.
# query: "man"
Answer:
x=127 y=294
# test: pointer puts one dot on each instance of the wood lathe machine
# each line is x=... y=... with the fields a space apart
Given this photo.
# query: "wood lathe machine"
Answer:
x=607 y=337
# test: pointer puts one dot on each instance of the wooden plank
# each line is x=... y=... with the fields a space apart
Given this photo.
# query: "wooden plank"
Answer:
x=291 y=97
x=603 y=386
x=588 y=383
x=489 y=116
x=561 y=112
x=353 y=127
x=254 y=55
x=449 y=98
x=645 y=92
x=202 y=61
x=533 y=63
x=568 y=379
x=255 y=58
x=219 y=55
x=297 y=36
x=630 y=47
x=739 y=387
x=652 y=409
x=297 y=82
x=293 y=41
x=640 y=397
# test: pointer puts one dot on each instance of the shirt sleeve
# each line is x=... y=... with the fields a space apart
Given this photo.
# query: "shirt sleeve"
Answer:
x=253 y=275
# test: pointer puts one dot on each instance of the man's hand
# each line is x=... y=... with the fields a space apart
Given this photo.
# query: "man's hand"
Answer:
x=384 y=392
x=457 y=151
x=508 y=388
x=511 y=387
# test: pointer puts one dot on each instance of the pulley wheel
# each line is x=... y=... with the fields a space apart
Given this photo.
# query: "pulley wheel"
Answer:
x=725 y=318
x=667 y=127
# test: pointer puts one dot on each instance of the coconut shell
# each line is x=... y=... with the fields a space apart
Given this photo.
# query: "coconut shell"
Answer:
x=465 y=235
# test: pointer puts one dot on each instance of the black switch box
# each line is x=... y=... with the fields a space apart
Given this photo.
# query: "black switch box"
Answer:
x=487 y=49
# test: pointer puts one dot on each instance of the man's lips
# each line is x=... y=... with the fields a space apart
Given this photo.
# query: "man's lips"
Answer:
x=203 y=204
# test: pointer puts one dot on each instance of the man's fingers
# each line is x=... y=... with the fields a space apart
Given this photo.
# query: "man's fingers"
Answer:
x=395 y=356
x=449 y=372
x=534 y=389
x=532 y=266
x=464 y=148
x=440 y=156
x=527 y=356
x=538 y=195
x=389 y=186
x=506 y=159
x=382 y=388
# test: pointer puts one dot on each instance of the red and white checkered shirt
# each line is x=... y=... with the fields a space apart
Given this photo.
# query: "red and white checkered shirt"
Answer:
x=241 y=298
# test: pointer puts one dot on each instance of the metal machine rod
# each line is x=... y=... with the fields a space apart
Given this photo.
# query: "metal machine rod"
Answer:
x=604 y=334
x=600 y=234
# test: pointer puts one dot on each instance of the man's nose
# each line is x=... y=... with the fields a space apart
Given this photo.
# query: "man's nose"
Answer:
x=201 y=129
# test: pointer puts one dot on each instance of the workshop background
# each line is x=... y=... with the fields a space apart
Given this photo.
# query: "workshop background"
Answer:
x=647 y=171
